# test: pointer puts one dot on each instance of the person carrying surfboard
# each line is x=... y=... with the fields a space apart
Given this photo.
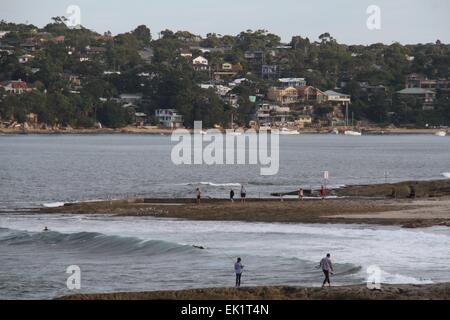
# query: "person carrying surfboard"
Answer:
x=327 y=268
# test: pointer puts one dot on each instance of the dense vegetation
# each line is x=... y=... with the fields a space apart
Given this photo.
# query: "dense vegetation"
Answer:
x=171 y=82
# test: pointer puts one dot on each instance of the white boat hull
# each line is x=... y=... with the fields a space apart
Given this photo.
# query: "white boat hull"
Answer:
x=288 y=132
x=353 y=133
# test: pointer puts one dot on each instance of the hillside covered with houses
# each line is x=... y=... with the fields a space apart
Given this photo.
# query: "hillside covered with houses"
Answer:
x=58 y=77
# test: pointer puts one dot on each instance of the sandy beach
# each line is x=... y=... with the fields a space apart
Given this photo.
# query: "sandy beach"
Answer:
x=358 y=292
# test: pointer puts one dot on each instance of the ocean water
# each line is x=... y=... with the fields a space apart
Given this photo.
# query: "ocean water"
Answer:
x=135 y=253
x=46 y=169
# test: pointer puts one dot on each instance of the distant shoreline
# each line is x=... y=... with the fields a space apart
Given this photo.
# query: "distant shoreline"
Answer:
x=440 y=291
x=158 y=131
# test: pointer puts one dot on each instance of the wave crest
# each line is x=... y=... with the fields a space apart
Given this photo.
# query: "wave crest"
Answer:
x=91 y=242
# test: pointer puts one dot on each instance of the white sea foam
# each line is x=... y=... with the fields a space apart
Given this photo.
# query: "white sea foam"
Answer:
x=404 y=255
x=53 y=204
x=446 y=174
x=212 y=184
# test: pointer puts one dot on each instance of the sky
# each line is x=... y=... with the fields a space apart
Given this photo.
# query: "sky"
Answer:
x=404 y=21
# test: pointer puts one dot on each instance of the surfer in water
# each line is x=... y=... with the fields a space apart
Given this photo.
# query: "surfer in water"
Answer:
x=327 y=268
x=238 y=269
x=46 y=229
x=232 y=195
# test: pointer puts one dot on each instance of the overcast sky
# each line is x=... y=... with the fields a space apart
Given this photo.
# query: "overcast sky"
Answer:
x=406 y=21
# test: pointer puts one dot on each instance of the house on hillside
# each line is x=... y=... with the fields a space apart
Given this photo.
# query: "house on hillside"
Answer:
x=254 y=55
x=169 y=118
x=59 y=39
x=372 y=89
x=237 y=82
x=292 y=82
x=423 y=96
x=133 y=98
x=15 y=86
x=73 y=80
x=311 y=94
x=231 y=99
x=227 y=70
x=200 y=64
x=269 y=115
x=303 y=121
x=270 y=71
x=95 y=50
x=283 y=96
x=220 y=90
x=186 y=53
x=416 y=80
x=337 y=98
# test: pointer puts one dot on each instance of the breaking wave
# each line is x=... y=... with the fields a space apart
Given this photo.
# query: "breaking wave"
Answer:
x=212 y=184
x=91 y=242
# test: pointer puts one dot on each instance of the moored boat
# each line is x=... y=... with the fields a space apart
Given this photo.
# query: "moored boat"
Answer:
x=352 y=133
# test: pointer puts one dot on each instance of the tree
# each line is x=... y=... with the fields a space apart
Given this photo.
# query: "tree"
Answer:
x=61 y=110
x=143 y=34
x=113 y=115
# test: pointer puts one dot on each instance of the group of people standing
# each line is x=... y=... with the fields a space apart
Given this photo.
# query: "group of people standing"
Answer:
x=325 y=265
x=243 y=194
x=301 y=194
x=323 y=193
x=232 y=195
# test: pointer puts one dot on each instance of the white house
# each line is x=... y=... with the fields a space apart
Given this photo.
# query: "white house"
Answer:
x=200 y=60
x=292 y=82
x=169 y=118
x=131 y=97
x=334 y=96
